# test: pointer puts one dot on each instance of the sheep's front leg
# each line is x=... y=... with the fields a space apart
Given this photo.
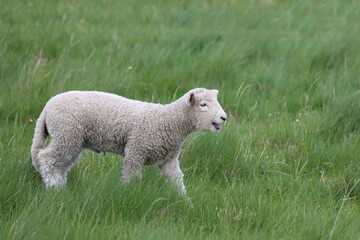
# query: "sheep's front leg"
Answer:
x=173 y=173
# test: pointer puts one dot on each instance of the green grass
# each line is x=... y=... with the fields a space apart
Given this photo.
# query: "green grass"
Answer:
x=287 y=164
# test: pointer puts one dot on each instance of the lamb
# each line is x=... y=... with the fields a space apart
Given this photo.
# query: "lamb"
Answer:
x=144 y=133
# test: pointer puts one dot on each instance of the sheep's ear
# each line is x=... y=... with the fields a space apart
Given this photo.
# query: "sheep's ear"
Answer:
x=191 y=99
x=215 y=91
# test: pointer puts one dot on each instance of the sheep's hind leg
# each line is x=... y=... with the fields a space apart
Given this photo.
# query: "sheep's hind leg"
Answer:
x=55 y=161
x=132 y=168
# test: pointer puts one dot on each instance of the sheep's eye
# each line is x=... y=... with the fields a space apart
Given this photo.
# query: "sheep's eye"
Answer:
x=202 y=104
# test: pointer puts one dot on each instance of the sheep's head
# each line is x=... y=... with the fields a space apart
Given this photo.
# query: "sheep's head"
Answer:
x=207 y=112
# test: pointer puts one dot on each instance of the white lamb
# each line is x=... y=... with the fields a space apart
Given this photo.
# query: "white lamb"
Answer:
x=144 y=133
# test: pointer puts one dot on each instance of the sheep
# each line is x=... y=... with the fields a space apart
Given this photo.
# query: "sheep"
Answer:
x=144 y=133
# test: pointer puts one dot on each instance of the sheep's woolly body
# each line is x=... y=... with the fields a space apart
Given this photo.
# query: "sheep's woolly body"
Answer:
x=145 y=133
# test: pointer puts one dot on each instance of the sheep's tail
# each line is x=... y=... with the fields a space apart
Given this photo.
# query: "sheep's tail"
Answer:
x=39 y=140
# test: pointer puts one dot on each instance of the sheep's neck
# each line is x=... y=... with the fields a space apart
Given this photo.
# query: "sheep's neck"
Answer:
x=183 y=123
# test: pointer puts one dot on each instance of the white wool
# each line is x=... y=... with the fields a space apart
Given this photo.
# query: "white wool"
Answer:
x=144 y=133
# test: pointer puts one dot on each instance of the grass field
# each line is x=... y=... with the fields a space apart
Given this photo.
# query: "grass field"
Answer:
x=286 y=165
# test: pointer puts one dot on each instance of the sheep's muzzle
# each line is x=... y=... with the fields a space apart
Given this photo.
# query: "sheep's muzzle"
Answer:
x=217 y=126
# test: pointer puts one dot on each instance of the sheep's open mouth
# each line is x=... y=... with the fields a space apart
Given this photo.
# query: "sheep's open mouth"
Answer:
x=216 y=126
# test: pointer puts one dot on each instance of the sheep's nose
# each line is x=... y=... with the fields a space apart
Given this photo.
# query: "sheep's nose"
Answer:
x=223 y=118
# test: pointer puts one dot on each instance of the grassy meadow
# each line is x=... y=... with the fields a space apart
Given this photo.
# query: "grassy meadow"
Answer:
x=285 y=166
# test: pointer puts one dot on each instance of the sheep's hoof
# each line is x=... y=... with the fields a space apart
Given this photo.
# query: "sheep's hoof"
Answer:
x=188 y=201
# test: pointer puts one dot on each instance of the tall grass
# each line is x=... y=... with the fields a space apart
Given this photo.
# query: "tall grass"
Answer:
x=286 y=165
